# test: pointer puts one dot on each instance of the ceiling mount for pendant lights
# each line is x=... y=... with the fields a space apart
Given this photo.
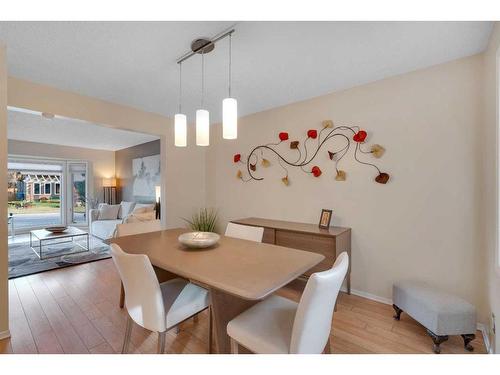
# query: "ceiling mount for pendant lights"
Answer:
x=229 y=105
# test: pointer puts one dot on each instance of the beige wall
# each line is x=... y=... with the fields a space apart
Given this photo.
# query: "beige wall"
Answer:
x=424 y=223
x=4 y=306
x=490 y=178
x=101 y=162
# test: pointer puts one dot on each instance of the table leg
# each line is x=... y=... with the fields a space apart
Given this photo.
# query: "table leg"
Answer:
x=225 y=307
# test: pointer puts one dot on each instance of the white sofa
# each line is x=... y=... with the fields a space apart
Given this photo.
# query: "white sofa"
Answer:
x=128 y=212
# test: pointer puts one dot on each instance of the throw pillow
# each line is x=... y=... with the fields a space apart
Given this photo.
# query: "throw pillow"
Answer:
x=141 y=208
x=125 y=209
x=109 y=212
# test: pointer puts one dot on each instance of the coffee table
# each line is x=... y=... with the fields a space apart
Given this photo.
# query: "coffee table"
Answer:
x=44 y=238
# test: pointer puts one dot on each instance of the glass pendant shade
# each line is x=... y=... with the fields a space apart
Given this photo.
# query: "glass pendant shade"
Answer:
x=229 y=118
x=180 y=130
x=202 y=127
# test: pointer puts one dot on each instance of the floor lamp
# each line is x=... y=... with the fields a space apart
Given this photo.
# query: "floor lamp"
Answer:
x=109 y=186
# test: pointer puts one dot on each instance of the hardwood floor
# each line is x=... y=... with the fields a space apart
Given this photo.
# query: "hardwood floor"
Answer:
x=75 y=310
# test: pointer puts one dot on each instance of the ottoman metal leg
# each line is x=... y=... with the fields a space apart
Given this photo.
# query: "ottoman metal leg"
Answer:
x=467 y=340
x=438 y=340
x=398 y=312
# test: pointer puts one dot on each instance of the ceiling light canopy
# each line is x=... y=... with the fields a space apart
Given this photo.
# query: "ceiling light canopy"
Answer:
x=229 y=105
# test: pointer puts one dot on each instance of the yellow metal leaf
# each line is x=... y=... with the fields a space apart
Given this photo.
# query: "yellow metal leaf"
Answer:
x=265 y=163
x=285 y=180
x=341 y=175
x=377 y=151
x=327 y=124
x=239 y=174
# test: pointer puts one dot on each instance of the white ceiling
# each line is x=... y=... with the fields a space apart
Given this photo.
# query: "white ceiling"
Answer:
x=274 y=63
x=32 y=127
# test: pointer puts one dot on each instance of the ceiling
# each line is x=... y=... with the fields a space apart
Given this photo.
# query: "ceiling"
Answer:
x=32 y=127
x=274 y=63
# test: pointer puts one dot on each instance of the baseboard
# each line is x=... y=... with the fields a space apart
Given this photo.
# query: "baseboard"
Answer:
x=4 y=335
x=370 y=296
x=486 y=337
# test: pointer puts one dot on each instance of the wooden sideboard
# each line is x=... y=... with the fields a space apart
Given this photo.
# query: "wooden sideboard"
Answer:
x=328 y=242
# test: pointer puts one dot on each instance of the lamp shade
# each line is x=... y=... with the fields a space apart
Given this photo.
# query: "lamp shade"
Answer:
x=109 y=182
x=180 y=130
x=202 y=127
x=229 y=118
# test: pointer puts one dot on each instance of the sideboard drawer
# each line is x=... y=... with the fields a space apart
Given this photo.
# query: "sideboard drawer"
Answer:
x=316 y=244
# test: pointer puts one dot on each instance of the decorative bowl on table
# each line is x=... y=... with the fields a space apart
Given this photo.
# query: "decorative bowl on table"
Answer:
x=56 y=228
x=199 y=240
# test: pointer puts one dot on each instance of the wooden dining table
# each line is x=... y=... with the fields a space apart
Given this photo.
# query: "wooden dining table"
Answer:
x=238 y=273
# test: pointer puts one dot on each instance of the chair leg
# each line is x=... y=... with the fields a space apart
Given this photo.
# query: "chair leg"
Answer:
x=122 y=297
x=234 y=346
x=467 y=340
x=128 y=333
x=161 y=342
x=437 y=340
x=210 y=330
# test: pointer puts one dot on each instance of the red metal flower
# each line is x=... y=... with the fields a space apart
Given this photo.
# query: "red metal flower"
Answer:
x=237 y=158
x=360 y=136
x=316 y=171
x=283 y=136
x=382 y=178
x=312 y=134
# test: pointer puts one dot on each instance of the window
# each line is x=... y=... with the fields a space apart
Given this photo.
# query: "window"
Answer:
x=47 y=189
x=36 y=188
x=58 y=189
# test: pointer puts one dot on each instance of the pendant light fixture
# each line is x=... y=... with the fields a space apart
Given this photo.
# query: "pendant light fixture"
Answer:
x=180 y=120
x=202 y=115
x=229 y=105
x=229 y=109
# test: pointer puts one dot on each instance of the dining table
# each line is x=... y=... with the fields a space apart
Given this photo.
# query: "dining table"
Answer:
x=238 y=273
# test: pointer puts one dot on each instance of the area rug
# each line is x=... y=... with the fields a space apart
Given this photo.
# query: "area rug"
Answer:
x=23 y=261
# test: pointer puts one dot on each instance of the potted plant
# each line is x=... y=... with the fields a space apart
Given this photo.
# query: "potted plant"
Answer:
x=204 y=220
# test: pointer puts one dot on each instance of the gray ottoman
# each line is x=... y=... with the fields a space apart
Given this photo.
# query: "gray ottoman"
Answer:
x=442 y=314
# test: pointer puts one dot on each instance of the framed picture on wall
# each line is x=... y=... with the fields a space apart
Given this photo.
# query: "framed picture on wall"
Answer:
x=325 y=218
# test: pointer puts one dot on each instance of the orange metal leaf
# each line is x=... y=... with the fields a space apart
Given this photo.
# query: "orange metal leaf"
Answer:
x=341 y=175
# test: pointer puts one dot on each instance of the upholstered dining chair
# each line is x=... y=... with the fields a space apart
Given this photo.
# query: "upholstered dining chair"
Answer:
x=244 y=232
x=130 y=229
x=154 y=306
x=280 y=326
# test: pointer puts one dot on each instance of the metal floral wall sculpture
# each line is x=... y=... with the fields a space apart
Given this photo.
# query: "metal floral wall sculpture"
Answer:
x=303 y=155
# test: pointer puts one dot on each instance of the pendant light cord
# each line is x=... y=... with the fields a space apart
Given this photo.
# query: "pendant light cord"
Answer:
x=202 y=78
x=230 y=62
x=180 y=88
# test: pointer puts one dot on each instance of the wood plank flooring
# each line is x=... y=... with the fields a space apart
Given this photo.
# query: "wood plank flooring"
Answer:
x=75 y=310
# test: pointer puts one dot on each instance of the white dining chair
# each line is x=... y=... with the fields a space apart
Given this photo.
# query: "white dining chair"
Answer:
x=154 y=306
x=244 y=232
x=130 y=229
x=278 y=325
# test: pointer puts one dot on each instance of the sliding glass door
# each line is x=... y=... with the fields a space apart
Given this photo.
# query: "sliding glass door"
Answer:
x=77 y=183
x=35 y=193
x=47 y=192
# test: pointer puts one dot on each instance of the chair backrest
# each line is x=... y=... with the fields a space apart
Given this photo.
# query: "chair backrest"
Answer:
x=313 y=319
x=137 y=227
x=244 y=232
x=144 y=301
